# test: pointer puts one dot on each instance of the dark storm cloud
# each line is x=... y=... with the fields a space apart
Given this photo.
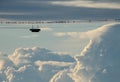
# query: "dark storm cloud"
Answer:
x=43 y=10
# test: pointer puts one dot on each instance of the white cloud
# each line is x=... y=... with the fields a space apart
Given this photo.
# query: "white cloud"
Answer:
x=71 y=34
x=86 y=48
x=46 y=29
x=95 y=67
x=62 y=76
x=60 y=34
x=91 y=67
x=1 y=64
x=89 y=4
x=30 y=36
x=63 y=53
x=23 y=56
x=91 y=34
x=42 y=65
x=38 y=63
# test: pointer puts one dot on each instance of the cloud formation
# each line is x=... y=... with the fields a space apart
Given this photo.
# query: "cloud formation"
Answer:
x=89 y=4
x=32 y=64
x=99 y=60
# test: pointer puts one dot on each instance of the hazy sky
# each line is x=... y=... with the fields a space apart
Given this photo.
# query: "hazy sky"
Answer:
x=64 y=38
x=59 y=9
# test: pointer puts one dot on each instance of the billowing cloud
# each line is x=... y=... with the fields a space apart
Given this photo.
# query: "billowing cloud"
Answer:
x=26 y=55
x=32 y=64
x=100 y=60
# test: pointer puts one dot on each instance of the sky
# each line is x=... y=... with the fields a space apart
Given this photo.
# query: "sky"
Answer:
x=59 y=9
x=67 y=52
x=97 y=62
x=53 y=10
x=52 y=36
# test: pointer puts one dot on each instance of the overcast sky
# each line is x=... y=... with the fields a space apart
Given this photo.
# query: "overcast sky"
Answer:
x=59 y=9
